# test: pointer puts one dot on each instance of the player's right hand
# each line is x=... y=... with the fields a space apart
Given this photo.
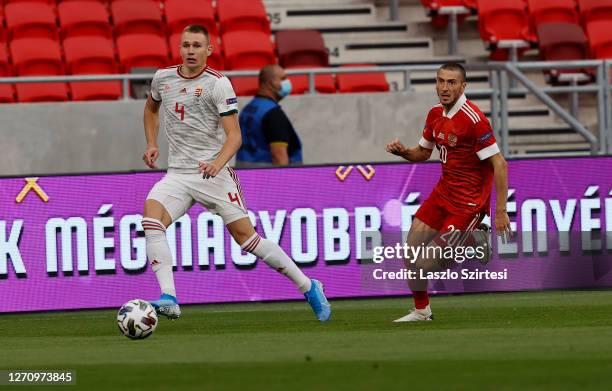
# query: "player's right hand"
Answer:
x=396 y=147
x=150 y=156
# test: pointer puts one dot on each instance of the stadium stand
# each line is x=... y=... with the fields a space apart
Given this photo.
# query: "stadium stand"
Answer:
x=180 y=13
x=7 y=93
x=592 y=10
x=302 y=48
x=504 y=24
x=349 y=31
x=562 y=42
x=38 y=57
x=74 y=22
x=249 y=15
x=92 y=56
x=142 y=51
x=248 y=49
x=546 y=11
x=137 y=17
x=361 y=82
x=600 y=38
x=50 y=2
x=436 y=10
x=30 y=20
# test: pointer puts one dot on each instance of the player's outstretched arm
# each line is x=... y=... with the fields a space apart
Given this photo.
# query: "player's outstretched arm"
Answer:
x=500 y=169
x=151 y=129
x=230 y=147
x=416 y=154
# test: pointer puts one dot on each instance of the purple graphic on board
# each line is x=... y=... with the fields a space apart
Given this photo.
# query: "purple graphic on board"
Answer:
x=83 y=248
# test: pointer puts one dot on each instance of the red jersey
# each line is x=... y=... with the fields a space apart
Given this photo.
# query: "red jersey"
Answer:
x=464 y=139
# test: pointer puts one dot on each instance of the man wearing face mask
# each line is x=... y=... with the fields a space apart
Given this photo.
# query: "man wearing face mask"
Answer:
x=268 y=138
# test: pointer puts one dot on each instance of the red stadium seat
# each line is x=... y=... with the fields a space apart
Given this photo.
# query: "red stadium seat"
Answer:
x=74 y=22
x=180 y=13
x=214 y=61
x=323 y=84
x=471 y=4
x=5 y=66
x=440 y=20
x=157 y=2
x=546 y=11
x=38 y=57
x=242 y=15
x=362 y=82
x=248 y=50
x=142 y=51
x=305 y=49
x=592 y=10
x=562 y=42
x=137 y=17
x=50 y=2
x=301 y=48
x=600 y=39
x=92 y=56
x=504 y=20
x=30 y=20
x=7 y=93
x=245 y=85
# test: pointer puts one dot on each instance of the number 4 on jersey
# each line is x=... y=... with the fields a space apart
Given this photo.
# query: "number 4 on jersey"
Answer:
x=180 y=109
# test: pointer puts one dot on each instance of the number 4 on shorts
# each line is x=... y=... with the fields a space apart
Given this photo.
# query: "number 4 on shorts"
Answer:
x=234 y=197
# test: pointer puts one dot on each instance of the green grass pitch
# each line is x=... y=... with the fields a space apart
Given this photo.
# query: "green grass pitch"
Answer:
x=512 y=341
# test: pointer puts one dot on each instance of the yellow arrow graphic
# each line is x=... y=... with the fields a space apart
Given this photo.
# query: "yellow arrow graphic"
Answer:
x=342 y=175
x=367 y=174
x=32 y=185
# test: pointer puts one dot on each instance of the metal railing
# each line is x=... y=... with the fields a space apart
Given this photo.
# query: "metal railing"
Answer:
x=500 y=89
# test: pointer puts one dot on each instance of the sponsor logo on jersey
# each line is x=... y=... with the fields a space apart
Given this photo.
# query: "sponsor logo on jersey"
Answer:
x=485 y=137
x=231 y=101
x=183 y=91
x=166 y=88
x=441 y=135
x=452 y=140
x=198 y=91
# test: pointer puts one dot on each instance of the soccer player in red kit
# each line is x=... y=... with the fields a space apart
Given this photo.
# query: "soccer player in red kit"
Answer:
x=471 y=161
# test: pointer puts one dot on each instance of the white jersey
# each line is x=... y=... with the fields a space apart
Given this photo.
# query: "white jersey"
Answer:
x=191 y=109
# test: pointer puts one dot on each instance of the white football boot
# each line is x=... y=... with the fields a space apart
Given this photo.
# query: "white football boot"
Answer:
x=417 y=315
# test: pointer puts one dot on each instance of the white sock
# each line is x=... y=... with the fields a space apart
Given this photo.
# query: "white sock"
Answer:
x=159 y=255
x=275 y=257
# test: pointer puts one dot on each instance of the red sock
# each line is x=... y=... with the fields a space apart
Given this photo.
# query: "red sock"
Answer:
x=421 y=299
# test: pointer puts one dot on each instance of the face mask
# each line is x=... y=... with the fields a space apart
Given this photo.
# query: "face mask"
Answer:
x=285 y=88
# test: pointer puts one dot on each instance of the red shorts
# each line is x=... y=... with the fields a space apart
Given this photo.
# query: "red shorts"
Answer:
x=454 y=224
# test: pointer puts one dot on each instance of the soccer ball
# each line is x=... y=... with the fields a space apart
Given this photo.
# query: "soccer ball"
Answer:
x=137 y=319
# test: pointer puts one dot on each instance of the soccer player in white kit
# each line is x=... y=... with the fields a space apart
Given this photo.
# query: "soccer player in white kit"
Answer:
x=197 y=104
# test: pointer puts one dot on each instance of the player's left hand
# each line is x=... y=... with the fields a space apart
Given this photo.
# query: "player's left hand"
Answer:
x=502 y=224
x=208 y=170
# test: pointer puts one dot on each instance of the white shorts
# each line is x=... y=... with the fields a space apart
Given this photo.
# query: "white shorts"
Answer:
x=221 y=195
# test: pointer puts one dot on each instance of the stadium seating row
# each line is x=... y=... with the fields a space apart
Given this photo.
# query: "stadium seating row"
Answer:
x=33 y=18
x=95 y=55
x=526 y=21
x=539 y=10
x=83 y=45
